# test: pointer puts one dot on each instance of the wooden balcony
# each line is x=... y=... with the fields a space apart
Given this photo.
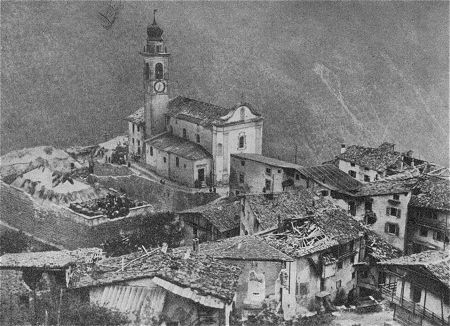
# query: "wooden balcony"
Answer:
x=416 y=310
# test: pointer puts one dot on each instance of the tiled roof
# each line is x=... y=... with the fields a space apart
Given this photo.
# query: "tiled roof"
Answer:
x=324 y=229
x=203 y=274
x=385 y=187
x=431 y=192
x=245 y=247
x=137 y=117
x=294 y=204
x=202 y=113
x=46 y=259
x=436 y=262
x=223 y=213
x=379 y=248
x=331 y=176
x=378 y=159
x=266 y=160
x=179 y=146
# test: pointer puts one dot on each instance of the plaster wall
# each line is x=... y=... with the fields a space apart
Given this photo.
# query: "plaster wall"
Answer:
x=360 y=171
x=137 y=136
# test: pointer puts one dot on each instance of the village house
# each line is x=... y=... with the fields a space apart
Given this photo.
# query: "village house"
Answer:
x=216 y=220
x=383 y=207
x=428 y=224
x=418 y=287
x=260 y=212
x=186 y=140
x=265 y=273
x=166 y=287
x=325 y=246
x=368 y=164
x=255 y=173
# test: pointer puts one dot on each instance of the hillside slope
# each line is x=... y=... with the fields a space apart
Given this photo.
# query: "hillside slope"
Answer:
x=321 y=73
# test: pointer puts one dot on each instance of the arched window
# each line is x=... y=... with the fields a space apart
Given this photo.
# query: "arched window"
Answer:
x=242 y=141
x=159 y=71
x=147 y=71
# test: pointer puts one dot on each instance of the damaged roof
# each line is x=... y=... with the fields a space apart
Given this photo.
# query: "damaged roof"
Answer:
x=320 y=231
x=378 y=159
x=266 y=160
x=332 y=177
x=137 y=117
x=179 y=146
x=267 y=208
x=47 y=259
x=203 y=274
x=223 y=213
x=436 y=262
x=246 y=247
x=431 y=192
x=386 y=187
x=380 y=249
x=202 y=113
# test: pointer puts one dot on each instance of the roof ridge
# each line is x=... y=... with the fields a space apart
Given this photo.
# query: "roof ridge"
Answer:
x=193 y=99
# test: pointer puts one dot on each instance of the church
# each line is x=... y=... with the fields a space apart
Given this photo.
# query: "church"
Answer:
x=186 y=140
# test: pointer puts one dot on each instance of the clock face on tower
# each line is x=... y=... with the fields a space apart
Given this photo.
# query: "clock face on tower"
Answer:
x=159 y=87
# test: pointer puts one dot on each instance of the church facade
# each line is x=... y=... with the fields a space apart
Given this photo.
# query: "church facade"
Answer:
x=183 y=139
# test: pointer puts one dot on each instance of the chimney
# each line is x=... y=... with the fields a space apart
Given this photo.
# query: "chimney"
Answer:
x=195 y=242
x=343 y=148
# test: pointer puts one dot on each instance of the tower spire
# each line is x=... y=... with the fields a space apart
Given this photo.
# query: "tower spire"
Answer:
x=154 y=16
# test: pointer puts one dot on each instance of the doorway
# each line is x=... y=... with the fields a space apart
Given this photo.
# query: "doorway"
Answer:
x=201 y=175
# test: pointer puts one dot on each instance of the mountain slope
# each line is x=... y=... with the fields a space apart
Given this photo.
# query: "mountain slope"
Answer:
x=322 y=73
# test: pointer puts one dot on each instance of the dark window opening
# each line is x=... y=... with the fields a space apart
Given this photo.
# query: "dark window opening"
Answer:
x=352 y=208
x=197 y=137
x=147 y=71
x=352 y=164
x=279 y=171
x=241 y=141
x=415 y=293
x=133 y=127
x=366 y=178
x=423 y=231
x=391 y=228
x=324 y=193
x=297 y=177
x=268 y=171
x=268 y=185
x=159 y=71
x=353 y=275
x=339 y=265
x=241 y=178
x=164 y=159
x=352 y=173
x=151 y=151
x=396 y=197
x=368 y=206
x=243 y=163
x=177 y=161
x=392 y=211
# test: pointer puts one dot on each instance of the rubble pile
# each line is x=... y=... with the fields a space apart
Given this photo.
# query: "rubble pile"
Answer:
x=113 y=206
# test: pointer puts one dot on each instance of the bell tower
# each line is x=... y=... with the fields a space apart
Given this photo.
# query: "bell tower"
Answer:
x=155 y=80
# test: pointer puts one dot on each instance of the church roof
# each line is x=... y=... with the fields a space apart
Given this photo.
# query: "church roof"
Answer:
x=266 y=160
x=178 y=146
x=202 y=113
x=137 y=117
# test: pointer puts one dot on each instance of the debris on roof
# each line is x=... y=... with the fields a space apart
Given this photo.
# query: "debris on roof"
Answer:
x=266 y=160
x=380 y=249
x=378 y=159
x=49 y=259
x=222 y=213
x=179 y=146
x=137 y=117
x=202 y=113
x=386 y=187
x=331 y=177
x=268 y=208
x=202 y=274
x=431 y=192
x=436 y=262
x=317 y=232
x=246 y=247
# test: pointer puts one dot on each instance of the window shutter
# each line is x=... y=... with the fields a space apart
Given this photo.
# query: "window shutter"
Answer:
x=388 y=210
x=386 y=228
x=396 y=230
x=399 y=213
